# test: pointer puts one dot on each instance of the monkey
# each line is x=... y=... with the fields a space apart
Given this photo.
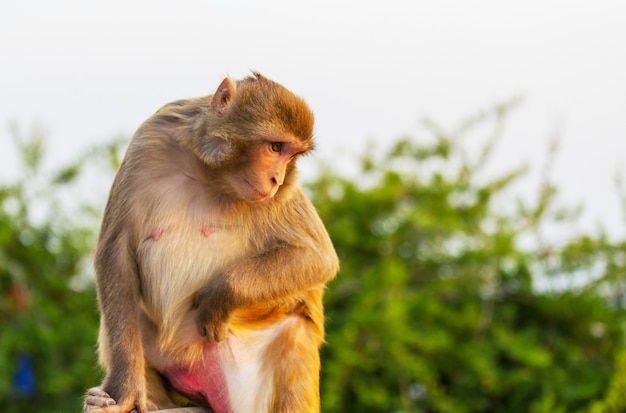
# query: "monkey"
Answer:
x=211 y=261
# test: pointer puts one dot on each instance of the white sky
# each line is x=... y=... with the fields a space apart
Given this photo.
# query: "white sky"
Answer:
x=89 y=70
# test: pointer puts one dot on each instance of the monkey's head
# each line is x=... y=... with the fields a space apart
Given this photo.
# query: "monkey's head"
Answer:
x=254 y=132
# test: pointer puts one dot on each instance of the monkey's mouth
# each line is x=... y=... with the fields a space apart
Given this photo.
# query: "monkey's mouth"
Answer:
x=256 y=194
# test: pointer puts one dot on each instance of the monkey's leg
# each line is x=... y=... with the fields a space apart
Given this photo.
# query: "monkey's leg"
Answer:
x=158 y=392
x=294 y=358
x=274 y=369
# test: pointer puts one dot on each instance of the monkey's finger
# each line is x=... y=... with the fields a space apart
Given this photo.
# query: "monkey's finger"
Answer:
x=109 y=409
x=98 y=401
x=211 y=334
x=98 y=392
x=220 y=332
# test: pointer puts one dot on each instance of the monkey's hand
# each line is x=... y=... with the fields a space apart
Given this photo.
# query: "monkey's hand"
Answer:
x=214 y=307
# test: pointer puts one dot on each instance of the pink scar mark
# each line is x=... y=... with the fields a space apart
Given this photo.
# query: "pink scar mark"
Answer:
x=156 y=234
x=206 y=231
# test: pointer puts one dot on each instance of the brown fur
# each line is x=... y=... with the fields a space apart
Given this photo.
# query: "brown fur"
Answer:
x=207 y=236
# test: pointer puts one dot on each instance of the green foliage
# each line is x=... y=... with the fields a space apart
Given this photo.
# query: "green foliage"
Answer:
x=438 y=308
x=47 y=316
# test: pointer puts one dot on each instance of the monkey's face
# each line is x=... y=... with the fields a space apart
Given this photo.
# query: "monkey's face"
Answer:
x=265 y=168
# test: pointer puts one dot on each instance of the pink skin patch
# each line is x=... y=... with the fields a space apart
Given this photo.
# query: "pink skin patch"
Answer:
x=156 y=234
x=206 y=231
x=204 y=383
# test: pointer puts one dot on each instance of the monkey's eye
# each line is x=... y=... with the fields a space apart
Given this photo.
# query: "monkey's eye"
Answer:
x=276 y=147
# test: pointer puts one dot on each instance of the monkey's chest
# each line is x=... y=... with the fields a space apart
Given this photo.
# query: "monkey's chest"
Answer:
x=176 y=260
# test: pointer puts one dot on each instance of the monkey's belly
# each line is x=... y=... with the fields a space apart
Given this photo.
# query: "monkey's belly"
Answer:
x=204 y=383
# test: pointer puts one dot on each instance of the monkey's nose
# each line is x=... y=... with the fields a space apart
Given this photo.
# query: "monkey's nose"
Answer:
x=277 y=180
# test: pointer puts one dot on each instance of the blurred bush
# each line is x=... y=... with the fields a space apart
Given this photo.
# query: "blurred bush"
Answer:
x=444 y=303
x=48 y=314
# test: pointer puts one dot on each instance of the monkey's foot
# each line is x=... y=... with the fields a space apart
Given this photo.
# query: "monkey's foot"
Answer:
x=99 y=401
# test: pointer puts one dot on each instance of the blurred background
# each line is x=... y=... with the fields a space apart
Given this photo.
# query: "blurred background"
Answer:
x=469 y=167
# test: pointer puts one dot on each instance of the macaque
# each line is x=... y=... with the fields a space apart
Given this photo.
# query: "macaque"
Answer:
x=211 y=261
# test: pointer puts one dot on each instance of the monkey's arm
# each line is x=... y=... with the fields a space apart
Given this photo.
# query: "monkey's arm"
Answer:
x=304 y=258
x=121 y=349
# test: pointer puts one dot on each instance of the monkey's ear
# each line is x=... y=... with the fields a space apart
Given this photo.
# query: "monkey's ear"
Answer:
x=225 y=92
x=215 y=151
